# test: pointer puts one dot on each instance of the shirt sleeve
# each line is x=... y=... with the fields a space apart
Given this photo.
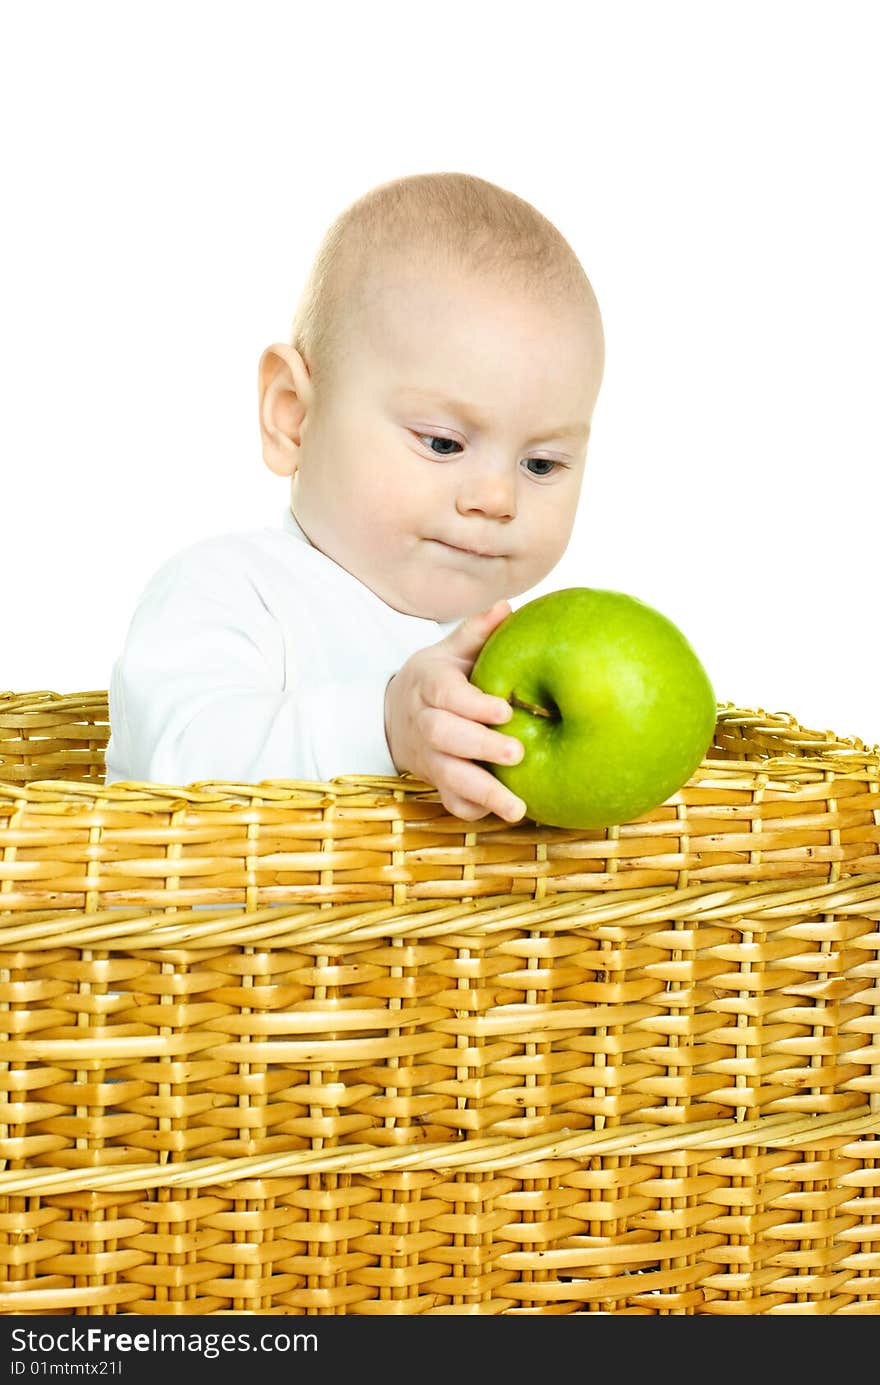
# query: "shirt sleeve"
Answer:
x=201 y=692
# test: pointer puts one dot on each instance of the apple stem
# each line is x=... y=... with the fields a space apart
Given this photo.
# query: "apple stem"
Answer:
x=531 y=707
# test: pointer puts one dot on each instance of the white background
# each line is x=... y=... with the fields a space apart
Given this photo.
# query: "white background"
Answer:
x=169 y=170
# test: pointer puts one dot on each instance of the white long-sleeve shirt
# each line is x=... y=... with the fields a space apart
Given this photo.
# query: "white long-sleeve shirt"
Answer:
x=253 y=656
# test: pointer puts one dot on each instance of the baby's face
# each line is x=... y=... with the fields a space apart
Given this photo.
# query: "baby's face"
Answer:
x=445 y=471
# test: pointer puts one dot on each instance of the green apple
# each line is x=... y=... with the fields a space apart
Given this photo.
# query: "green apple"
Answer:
x=613 y=707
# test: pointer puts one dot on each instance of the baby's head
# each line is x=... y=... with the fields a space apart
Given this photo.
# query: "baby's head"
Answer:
x=434 y=406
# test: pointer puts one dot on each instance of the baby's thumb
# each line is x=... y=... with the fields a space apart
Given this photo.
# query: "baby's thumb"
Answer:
x=468 y=638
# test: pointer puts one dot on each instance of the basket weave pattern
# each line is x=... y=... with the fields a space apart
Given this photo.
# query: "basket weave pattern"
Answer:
x=324 y=1048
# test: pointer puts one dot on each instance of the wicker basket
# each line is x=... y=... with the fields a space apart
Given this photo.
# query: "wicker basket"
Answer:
x=305 y=1048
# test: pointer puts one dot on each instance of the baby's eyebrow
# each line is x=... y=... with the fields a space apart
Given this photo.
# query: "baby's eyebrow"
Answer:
x=472 y=413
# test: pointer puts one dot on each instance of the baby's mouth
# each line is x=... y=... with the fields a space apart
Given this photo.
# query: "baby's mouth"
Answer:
x=471 y=552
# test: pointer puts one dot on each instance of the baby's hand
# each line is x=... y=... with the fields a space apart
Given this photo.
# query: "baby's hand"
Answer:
x=436 y=722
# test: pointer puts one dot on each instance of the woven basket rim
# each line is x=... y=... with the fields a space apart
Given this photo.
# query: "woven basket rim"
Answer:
x=842 y=755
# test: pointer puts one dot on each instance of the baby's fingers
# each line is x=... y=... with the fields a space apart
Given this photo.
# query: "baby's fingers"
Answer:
x=462 y=807
x=462 y=697
x=467 y=639
x=469 y=740
x=470 y=792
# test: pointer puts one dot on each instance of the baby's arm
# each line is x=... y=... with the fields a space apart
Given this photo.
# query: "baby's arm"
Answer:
x=208 y=688
x=435 y=723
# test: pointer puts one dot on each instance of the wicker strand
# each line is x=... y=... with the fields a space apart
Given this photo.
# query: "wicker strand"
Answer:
x=296 y=926
x=484 y=1155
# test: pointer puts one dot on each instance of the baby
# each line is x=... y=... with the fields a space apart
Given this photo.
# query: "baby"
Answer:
x=432 y=411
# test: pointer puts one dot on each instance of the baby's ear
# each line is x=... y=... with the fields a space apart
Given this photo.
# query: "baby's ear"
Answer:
x=283 y=389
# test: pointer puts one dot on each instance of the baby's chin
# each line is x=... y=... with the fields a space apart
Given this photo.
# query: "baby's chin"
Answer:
x=442 y=600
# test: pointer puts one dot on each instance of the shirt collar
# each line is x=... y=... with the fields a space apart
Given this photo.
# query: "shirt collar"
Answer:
x=289 y=523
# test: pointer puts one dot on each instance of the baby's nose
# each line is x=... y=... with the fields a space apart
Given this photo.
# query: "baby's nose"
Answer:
x=489 y=490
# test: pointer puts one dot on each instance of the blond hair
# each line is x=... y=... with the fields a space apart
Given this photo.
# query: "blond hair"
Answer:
x=452 y=220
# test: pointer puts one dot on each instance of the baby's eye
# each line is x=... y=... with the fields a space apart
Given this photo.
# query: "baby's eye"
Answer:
x=547 y=462
x=433 y=437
